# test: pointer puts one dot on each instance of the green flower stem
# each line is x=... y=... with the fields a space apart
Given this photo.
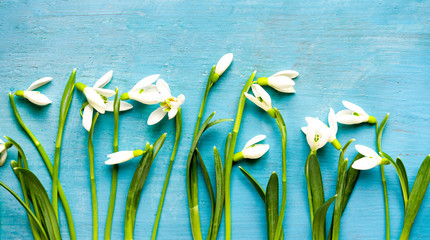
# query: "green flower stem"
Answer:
x=64 y=110
x=229 y=159
x=192 y=170
x=384 y=187
x=283 y=130
x=48 y=165
x=114 y=182
x=169 y=171
x=28 y=209
x=93 y=178
x=310 y=198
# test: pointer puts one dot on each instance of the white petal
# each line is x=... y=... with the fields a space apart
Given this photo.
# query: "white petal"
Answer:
x=260 y=92
x=287 y=73
x=87 y=117
x=172 y=113
x=105 y=79
x=281 y=83
x=365 y=163
x=304 y=130
x=37 y=98
x=289 y=90
x=181 y=99
x=119 y=157
x=255 y=152
x=333 y=124
x=310 y=136
x=223 y=63
x=123 y=106
x=256 y=101
x=366 y=151
x=146 y=82
x=149 y=95
x=38 y=83
x=164 y=89
x=255 y=140
x=354 y=108
x=156 y=116
x=105 y=92
x=95 y=100
x=348 y=117
x=3 y=157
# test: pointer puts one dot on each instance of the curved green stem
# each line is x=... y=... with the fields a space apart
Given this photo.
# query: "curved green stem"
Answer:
x=48 y=165
x=283 y=130
x=114 y=182
x=169 y=171
x=229 y=159
x=93 y=178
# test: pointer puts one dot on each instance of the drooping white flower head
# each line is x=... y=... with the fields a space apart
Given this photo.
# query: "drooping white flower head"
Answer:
x=169 y=104
x=222 y=65
x=36 y=97
x=261 y=98
x=353 y=115
x=104 y=104
x=370 y=160
x=280 y=81
x=144 y=91
x=317 y=133
x=122 y=156
x=3 y=152
x=252 y=149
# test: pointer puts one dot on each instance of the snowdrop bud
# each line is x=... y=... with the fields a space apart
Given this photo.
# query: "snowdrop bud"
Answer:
x=34 y=97
x=221 y=66
x=122 y=156
x=252 y=149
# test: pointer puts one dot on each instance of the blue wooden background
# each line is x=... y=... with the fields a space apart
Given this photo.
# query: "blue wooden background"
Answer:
x=373 y=53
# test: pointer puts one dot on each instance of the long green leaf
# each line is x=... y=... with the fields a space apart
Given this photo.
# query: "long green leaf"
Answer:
x=402 y=170
x=254 y=183
x=135 y=190
x=315 y=184
x=272 y=205
x=43 y=203
x=318 y=226
x=337 y=211
x=416 y=197
x=219 y=175
x=351 y=179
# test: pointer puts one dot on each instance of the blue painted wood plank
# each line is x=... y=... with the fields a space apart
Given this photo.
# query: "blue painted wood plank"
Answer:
x=375 y=54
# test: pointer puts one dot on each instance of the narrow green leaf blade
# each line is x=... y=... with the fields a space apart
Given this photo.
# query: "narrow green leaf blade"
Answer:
x=254 y=183
x=416 y=197
x=219 y=205
x=318 y=226
x=402 y=170
x=272 y=205
x=313 y=173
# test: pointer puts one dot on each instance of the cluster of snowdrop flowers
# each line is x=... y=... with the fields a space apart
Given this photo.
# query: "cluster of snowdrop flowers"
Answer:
x=3 y=151
x=146 y=92
x=252 y=149
x=123 y=156
x=318 y=134
x=34 y=96
x=97 y=98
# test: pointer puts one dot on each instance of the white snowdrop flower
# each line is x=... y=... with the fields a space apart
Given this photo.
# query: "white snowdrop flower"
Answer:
x=3 y=151
x=280 y=81
x=169 y=104
x=122 y=156
x=261 y=98
x=370 y=160
x=252 y=149
x=222 y=65
x=317 y=133
x=36 y=97
x=353 y=115
x=144 y=91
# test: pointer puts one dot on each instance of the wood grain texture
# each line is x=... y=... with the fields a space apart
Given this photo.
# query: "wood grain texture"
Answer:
x=373 y=53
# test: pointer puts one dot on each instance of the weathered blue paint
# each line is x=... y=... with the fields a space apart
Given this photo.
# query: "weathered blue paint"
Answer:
x=375 y=54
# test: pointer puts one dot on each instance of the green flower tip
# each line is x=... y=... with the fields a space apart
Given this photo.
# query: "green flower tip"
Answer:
x=336 y=144
x=385 y=161
x=80 y=86
x=215 y=77
x=263 y=81
x=8 y=145
x=124 y=96
x=372 y=120
x=238 y=156
x=272 y=113
x=137 y=152
x=19 y=93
